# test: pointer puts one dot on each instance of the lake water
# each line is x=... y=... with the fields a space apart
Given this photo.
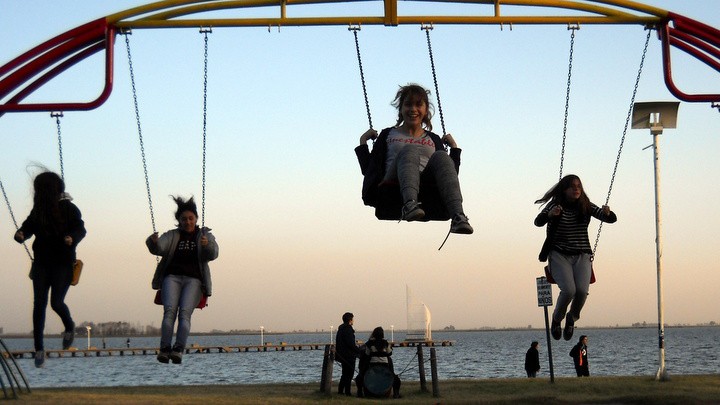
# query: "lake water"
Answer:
x=474 y=355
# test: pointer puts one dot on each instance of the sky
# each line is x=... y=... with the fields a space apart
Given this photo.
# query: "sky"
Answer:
x=285 y=111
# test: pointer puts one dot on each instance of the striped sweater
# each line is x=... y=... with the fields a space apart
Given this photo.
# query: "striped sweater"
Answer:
x=568 y=232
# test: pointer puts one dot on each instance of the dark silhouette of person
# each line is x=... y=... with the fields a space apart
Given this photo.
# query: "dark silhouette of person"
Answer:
x=346 y=351
x=532 y=360
x=580 y=357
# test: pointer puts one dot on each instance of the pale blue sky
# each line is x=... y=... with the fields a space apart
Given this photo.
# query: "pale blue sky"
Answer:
x=297 y=247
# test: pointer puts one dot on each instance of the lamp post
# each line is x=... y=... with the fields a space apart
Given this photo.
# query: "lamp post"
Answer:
x=656 y=116
x=392 y=333
x=88 y=331
x=262 y=336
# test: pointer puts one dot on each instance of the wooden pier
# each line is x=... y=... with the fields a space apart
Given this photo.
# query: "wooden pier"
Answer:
x=195 y=348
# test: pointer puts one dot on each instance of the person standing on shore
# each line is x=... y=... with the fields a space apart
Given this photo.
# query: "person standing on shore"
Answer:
x=58 y=228
x=532 y=360
x=580 y=357
x=346 y=351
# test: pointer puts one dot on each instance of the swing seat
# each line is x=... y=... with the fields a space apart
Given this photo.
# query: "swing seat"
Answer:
x=389 y=203
x=378 y=380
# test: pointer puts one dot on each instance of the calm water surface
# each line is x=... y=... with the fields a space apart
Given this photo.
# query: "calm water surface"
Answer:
x=480 y=354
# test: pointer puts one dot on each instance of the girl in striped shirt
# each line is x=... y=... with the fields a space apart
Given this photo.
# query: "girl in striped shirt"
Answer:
x=567 y=213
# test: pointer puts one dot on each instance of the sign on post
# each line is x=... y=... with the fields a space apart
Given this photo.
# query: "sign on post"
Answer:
x=544 y=296
x=544 y=292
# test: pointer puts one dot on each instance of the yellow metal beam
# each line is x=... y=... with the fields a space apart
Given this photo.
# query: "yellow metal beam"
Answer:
x=168 y=13
x=391 y=16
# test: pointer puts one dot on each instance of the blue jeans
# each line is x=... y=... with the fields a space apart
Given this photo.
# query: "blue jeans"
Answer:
x=440 y=168
x=55 y=277
x=178 y=293
x=572 y=275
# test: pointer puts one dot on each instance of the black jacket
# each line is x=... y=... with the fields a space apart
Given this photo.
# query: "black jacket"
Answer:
x=372 y=164
x=49 y=245
x=532 y=360
x=346 y=349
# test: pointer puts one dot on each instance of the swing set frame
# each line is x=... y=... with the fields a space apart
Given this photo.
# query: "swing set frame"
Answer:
x=28 y=72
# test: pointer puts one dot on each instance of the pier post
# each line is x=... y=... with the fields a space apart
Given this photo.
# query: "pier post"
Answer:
x=421 y=368
x=327 y=370
x=433 y=373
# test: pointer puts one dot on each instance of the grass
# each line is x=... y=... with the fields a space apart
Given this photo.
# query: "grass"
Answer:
x=700 y=389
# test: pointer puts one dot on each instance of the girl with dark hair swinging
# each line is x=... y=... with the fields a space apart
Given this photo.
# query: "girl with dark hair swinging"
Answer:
x=567 y=213
x=183 y=275
x=58 y=228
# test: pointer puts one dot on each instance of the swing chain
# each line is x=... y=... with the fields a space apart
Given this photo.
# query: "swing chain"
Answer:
x=140 y=136
x=204 y=31
x=57 y=116
x=622 y=140
x=567 y=96
x=12 y=216
x=427 y=29
x=355 y=29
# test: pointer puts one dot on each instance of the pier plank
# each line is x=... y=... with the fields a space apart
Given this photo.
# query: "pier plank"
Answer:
x=195 y=348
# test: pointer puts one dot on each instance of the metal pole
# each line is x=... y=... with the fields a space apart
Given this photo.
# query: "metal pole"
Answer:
x=661 y=373
x=17 y=367
x=549 y=345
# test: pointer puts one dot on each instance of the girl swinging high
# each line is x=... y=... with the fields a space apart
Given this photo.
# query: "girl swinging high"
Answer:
x=411 y=157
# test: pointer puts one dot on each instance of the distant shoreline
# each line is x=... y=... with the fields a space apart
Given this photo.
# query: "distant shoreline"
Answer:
x=266 y=333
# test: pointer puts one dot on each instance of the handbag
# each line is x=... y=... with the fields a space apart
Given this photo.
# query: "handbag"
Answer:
x=202 y=304
x=77 y=270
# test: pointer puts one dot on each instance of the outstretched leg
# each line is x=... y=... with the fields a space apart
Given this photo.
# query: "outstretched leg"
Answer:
x=442 y=169
x=408 y=173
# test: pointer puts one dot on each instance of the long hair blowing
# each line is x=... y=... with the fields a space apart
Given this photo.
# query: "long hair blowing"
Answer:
x=184 y=205
x=49 y=188
x=556 y=194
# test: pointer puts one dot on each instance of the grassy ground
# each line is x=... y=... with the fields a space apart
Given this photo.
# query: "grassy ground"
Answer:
x=599 y=390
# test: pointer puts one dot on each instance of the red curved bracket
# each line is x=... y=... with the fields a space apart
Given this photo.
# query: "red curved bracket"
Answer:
x=695 y=38
x=68 y=48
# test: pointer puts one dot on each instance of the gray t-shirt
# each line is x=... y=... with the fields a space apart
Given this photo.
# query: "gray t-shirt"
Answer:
x=398 y=140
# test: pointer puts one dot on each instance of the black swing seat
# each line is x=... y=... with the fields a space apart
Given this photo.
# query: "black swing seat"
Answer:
x=389 y=203
x=378 y=380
